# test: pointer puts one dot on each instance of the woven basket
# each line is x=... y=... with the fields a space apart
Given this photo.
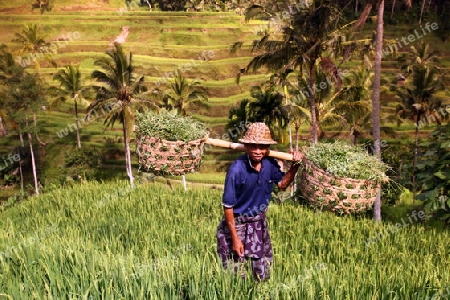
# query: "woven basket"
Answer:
x=163 y=157
x=341 y=195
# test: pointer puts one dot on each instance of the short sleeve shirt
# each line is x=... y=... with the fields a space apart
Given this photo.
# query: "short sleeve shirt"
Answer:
x=248 y=191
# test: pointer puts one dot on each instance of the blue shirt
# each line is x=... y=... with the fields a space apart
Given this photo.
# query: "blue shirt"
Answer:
x=247 y=191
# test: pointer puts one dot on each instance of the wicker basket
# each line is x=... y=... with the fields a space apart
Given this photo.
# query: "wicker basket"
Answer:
x=341 y=195
x=163 y=157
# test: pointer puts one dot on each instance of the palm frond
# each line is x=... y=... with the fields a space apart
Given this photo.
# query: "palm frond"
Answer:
x=235 y=47
x=255 y=11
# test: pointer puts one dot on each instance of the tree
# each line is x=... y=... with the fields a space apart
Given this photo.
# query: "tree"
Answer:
x=418 y=94
x=376 y=124
x=182 y=94
x=7 y=66
x=172 y=5
x=433 y=173
x=419 y=56
x=281 y=80
x=376 y=99
x=310 y=30
x=42 y=5
x=71 y=85
x=268 y=108
x=22 y=98
x=237 y=116
x=355 y=93
x=33 y=43
x=122 y=92
x=327 y=99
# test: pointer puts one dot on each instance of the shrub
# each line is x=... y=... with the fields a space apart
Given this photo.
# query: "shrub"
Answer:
x=81 y=163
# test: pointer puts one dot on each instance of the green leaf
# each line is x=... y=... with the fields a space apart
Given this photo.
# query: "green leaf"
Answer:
x=442 y=175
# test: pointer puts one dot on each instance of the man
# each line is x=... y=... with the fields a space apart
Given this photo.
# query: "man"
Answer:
x=243 y=232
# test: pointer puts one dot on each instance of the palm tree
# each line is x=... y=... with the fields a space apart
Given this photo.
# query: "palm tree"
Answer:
x=237 y=116
x=268 y=108
x=418 y=56
x=309 y=32
x=419 y=99
x=356 y=94
x=329 y=104
x=122 y=91
x=282 y=80
x=71 y=85
x=376 y=123
x=182 y=94
x=376 y=99
x=33 y=43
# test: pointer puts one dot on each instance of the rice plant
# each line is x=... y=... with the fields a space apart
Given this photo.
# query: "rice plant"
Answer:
x=154 y=242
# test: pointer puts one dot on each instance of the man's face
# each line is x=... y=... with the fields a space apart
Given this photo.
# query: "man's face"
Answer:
x=256 y=152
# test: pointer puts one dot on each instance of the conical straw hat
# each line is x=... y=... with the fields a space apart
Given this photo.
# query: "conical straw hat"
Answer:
x=258 y=133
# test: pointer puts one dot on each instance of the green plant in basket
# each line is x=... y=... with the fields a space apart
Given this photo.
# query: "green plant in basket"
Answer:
x=169 y=126
x=169 y=144
x=344 y=160
x=341 y=177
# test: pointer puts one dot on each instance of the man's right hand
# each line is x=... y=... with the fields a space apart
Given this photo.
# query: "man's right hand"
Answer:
x=238 y=247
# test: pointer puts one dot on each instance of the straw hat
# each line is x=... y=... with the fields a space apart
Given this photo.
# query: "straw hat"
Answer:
x=258 y=133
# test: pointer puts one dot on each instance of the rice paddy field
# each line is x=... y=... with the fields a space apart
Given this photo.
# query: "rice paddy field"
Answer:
x=104 y=240
x=108 y=241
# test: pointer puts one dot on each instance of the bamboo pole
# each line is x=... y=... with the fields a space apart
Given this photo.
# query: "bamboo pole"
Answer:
x=241 y=147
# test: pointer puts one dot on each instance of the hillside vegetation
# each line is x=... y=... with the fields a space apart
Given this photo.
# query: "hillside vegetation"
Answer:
x=163 y=43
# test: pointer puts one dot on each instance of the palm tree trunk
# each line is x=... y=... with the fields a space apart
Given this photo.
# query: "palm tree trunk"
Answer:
x=76 y=121
x=416 y=150
x=312 y=103
x=286 y=95
x=21 y=177
x=3 y=129
x=376 y=100
x=33 y=162
x=421 y=12
x=37 y=136
x=393 y=7
x=127 y=154
x=22 y=144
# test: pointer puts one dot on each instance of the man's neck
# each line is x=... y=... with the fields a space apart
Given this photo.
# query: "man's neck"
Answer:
x=255 y=165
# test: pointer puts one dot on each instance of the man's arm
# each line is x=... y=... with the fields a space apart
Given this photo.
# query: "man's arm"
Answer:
x=237 y=243
x=290 y=174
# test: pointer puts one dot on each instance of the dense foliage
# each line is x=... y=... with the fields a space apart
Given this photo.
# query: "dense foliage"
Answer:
x=170 y=126
x=433 y=172
x=81 y=163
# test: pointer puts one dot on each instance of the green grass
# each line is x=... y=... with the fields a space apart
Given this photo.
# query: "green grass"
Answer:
x=210 y=178
x=106 y=241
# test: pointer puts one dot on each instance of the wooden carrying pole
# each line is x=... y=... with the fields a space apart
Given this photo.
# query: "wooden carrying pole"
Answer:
x=241 y=147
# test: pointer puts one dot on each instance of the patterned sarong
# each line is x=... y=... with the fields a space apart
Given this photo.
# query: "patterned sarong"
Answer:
x=254 y=234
